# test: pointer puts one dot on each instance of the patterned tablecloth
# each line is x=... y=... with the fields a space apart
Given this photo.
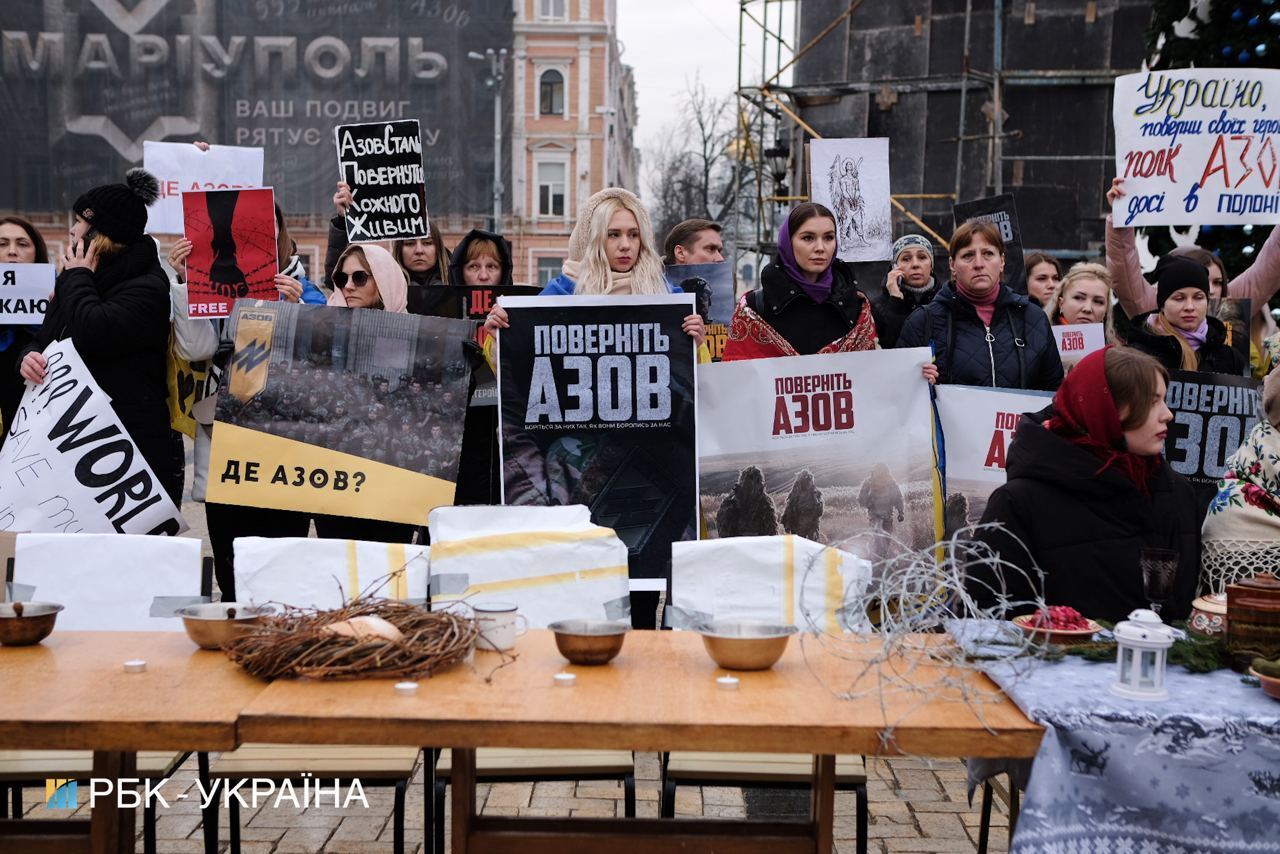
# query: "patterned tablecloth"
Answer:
x=1199 y=772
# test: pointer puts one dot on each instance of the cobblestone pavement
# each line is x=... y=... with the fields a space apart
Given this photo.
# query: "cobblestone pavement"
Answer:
x=916 y=806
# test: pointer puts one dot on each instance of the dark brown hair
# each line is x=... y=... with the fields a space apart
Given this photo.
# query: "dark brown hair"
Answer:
x=1035 y=259
x=806 y=211
x=284 y=242
x=42 y=251
x=1131 y=376
x=683 y=234
x=963 y=236
x=443 y=255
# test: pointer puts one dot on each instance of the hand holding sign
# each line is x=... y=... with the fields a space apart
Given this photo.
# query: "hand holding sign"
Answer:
x=381 y=191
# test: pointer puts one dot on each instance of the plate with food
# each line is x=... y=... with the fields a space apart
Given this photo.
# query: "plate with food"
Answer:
x=1058 y=624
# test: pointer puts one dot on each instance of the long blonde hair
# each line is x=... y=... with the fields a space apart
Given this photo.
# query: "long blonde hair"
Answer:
x=596 y=277
x=1161 y=326
x=1079 y=272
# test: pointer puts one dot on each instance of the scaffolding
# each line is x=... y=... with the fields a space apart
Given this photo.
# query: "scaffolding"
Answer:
x=769 y=104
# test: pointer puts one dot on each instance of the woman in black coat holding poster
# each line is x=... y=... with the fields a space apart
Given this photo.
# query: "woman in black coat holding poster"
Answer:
x=1087 y=491
x=112 y=301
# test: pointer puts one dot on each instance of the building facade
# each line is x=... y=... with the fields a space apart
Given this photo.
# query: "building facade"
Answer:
x=573 y=111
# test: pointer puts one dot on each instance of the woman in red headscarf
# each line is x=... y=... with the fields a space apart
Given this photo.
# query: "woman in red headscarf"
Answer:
x=1087 y=491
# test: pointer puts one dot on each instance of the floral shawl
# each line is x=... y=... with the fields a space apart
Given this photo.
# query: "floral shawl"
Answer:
x=754 y=338
x=1242 y=529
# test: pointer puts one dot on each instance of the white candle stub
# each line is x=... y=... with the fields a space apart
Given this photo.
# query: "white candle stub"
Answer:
x=406 y=689
x=728 y=683
x=565 y=680
x=135 y=665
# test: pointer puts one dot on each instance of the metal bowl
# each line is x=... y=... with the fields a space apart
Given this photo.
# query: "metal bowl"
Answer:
x=744 y=644
x=218 y=623
x=33 y=626
x=589 y=641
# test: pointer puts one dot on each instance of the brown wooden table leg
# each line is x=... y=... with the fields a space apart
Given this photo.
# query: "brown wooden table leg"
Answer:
x=463 y=781
x=112 y=829
x=823 y=808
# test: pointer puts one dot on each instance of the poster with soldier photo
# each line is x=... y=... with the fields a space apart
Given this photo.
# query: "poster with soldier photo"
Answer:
x=351 y=412
x=712 y=289
x=597 y=407
x=836 y=448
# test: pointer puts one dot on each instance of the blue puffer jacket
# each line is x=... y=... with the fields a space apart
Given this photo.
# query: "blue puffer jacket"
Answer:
x=1020 y=354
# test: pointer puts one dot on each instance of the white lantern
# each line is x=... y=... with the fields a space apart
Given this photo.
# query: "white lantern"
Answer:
x=1143 y=643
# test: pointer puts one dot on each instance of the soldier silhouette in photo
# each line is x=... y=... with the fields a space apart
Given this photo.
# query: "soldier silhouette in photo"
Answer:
x=802 y=514
x=748 y=510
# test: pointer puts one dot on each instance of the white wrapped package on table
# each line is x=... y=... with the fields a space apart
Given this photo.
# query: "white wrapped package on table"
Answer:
x=315 y=573
x=781 y=579
x=574 y=570
x=110 y=582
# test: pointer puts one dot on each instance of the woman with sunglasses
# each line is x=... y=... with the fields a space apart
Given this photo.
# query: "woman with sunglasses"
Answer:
x=367 y=276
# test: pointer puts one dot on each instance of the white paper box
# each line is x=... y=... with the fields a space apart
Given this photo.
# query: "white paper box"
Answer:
x=325 y=574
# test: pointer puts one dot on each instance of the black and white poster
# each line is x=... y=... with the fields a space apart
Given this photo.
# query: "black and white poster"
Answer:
x=25 y=290
x=597 y=403
x=1003 y=213
x=1212 y=415
x=382 y=163
x=712 y=288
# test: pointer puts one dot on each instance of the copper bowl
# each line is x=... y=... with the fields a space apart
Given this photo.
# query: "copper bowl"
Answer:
x=218 y=623
x=745 y=644
x=589 y=641
x=33 y=625
x=1270 y=684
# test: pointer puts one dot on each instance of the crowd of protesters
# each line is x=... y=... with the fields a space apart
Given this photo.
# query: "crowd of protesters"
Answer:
x=1087 y=486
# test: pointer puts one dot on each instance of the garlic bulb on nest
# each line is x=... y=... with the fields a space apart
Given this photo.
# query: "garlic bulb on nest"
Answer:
x=366 y=627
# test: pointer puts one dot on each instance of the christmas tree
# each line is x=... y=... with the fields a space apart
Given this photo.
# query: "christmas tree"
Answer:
x=1218 y=34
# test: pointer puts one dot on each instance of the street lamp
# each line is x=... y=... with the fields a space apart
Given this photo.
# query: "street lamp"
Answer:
x=777 y=159
x=493 y=81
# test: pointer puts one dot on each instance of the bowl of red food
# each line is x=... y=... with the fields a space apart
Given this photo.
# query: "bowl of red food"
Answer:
x=1058 y=624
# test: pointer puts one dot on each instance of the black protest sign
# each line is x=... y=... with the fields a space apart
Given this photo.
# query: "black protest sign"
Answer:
x=1212 y=415
x=1001 y=212
x=712 y=288
x=382 y=163
x=478 y=301
x=597 y=408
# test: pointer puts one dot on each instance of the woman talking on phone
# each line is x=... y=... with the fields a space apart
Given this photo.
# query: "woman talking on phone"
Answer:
x=111 y=300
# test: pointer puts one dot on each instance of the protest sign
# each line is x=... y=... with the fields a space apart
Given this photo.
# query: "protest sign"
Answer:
x=68 y=465
x=24 y=293
x=180 y=168
x=826 y=447
x=1212 y=415
x=851 y=177
x=1001 y=212
x=233 y=249
x=712 y=289
x=977 y=428
x=349 y=412
x=382 y=163
x=476 y=303
x=597 y=407
x=1197 y=147
x=1077 y=340
x=1236 y=315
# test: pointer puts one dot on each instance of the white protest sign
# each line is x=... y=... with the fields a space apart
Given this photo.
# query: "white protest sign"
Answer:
x=1198 y=147
x=181 y=167
x=68 y=466
x=24 y=292
x=977 y=428
x=851 y=177
x=1077 y=340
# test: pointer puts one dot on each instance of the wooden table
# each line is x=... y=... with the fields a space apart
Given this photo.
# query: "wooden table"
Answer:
x=71 y=693
x=659 y=694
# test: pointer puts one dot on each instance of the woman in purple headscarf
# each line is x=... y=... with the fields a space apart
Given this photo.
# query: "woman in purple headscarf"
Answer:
x=808 y=300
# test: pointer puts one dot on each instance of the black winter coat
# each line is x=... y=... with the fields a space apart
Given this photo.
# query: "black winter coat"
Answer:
x=118 y=319
x=1216 y=355
x=891 y=312
x=1085 y=531
x=961 y=349
x=808 y=326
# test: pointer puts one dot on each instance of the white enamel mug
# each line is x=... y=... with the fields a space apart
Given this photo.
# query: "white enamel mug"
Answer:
x=500 y=624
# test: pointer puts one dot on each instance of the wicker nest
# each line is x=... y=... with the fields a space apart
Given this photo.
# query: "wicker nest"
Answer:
x=299 y=643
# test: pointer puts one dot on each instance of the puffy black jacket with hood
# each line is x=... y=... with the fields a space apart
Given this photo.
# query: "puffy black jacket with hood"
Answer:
x=1085 y=531
x=118 y=319
x=1215 y=354
x=1021 y=354
x=891 y=312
